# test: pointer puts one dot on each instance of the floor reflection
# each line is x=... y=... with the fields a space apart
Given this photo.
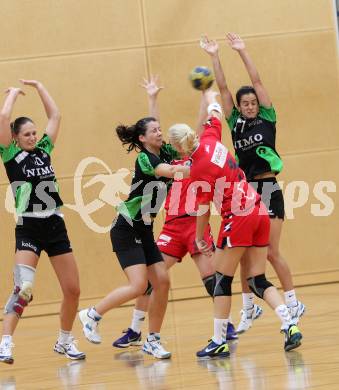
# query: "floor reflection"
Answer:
x=8 y=383
x=150 y=373
x=222 y=368
x=299 y=374
x=69 y=374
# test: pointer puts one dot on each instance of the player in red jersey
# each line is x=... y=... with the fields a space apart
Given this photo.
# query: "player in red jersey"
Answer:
x=216 y=177
x=176 y=239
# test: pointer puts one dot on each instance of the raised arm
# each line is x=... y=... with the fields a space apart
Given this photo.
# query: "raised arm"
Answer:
x=152 y=89
x=6 y=113
x=212 y=106
x=212 y=48
x=238 y=45
x=51 y=109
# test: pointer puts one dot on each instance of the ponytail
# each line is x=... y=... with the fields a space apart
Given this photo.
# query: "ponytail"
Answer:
x=129 y=135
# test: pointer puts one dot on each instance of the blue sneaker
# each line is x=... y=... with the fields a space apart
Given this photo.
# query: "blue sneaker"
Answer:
x=214 y=350
x=231 y=333
x=128 y=338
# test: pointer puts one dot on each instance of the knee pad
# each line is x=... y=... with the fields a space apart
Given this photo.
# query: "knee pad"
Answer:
x=209 y=283
x=258 y=284
x=223 y=285
x=22 y=293
x=149 y=289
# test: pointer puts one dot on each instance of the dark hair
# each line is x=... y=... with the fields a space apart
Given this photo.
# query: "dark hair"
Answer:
x=16 y=125
x=244 y=90
x=129 y=135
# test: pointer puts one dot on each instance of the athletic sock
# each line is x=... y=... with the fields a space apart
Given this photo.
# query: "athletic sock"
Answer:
x=92 y=313
x=220 y=328
x=6 y=339
x=137 y=320
x=153 y=335
x=247 y=300
x=284 y=316
x=63 y=336
x=290 y=298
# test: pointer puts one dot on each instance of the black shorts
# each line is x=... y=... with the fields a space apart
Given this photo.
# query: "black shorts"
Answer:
x=134 y=244
x=272 y=197
x=48 y=234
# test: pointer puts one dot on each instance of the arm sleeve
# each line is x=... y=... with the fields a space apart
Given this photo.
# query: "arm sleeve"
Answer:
x=8 y=152
x=45 y=144
x=212 y=129
x=268 y=113
x=232 y=120
x=148 y=163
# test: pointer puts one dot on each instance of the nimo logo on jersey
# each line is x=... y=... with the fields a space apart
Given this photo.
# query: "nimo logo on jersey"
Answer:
x=242 y=143
x=42 y=171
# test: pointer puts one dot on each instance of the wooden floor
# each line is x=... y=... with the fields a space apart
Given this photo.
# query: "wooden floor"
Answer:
x=257 y=361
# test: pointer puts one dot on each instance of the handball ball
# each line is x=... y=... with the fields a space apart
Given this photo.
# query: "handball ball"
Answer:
x=201 y=78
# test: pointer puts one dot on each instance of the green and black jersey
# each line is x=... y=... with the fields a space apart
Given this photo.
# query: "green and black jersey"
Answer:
x=147 y=190
x=31 y=176
x=254 y=142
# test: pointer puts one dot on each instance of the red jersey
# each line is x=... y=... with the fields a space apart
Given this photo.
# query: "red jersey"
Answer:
x=217 y=177
x=180 y=199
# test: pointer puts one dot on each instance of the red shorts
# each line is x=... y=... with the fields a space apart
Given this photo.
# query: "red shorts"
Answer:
x=177 y=237
x=249 y=230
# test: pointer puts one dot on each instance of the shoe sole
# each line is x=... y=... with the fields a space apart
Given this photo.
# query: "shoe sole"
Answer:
x=296 y=342
x=7 y=361
x=222 y=355
x=80 y=314
x=81 y=357
x=131 y=344
x=157 y=357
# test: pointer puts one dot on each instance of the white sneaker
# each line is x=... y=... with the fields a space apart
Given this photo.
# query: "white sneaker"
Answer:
x=153 y=346
x=6 y=353
x=247 y=317
x=69 y=349
x=89 y=327
x=296 y=312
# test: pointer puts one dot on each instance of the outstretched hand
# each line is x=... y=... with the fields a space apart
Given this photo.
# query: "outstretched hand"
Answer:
x=17 y=91
x=31 y=83
x=211 y=47
x=151 y=85
x=235 y=41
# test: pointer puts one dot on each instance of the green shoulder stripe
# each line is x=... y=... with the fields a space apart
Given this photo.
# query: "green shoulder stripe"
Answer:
x=232 y=120
x=9 y=152
x=268 y=113
x=45 y=144
x=145 y=164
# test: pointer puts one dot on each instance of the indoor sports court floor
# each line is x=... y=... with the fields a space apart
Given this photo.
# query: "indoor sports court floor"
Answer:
x=257 y=362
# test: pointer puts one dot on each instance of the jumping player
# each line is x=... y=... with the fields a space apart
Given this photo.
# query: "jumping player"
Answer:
x=253 y=128
x=40 y=223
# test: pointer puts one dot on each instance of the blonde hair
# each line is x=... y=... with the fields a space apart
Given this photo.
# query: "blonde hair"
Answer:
x=181 y=134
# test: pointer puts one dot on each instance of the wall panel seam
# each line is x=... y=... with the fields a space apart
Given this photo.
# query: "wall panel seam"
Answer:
x=150 y=45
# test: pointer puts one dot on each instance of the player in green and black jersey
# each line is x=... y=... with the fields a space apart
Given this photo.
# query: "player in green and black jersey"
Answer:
x=132 y=232
x=40 y=224
x=253 y=126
